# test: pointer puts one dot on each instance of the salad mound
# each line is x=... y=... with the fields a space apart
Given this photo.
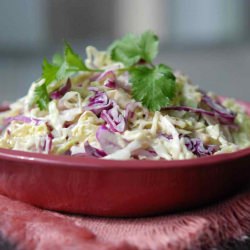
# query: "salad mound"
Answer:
x=118 y=105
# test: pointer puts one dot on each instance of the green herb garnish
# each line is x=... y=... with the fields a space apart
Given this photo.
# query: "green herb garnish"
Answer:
x=153 y=85
x=131 y=49
x=62 y=67
x=41 y=97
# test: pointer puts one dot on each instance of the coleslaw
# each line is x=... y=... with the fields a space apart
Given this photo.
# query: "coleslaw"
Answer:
x=94 y=114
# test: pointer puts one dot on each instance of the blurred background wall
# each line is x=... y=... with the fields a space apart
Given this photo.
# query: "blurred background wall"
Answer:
x=207 y=39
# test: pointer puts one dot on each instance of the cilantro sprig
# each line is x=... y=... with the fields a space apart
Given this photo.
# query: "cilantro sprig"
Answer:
x=153 y=85
x=62 y=67
x=131 y=48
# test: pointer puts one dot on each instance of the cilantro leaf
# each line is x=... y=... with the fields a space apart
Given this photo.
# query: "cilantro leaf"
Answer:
x=62 y=67
x=126 y=50
x=149 y=43
x=57 y=59
x=49 y=71
x=131 y=49
x=72 y=64
x=41 y=96
x=154 y=87
x=73 y=60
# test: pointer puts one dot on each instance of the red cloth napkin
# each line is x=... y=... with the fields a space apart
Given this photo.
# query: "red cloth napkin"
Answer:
x=25 y=227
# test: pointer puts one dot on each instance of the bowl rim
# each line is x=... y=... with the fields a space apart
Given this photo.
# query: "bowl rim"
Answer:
x=103 y=164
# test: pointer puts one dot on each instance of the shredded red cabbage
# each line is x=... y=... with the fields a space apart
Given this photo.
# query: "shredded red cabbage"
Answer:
x=92 y=151
x=107 y=110
x=107 y=139
x=197 y=147
x=223 y=119
x=98 y=102
x=108 y=78
x=61 y=91
x=22 y=118
x=225 y=116
x=190 y=109
x=115 y=121
x=130 y=110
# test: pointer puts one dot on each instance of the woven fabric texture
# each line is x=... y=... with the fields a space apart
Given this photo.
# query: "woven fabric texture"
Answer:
x=220 y=226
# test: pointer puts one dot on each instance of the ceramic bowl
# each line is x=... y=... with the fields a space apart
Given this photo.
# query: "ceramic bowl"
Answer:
x=121 y=188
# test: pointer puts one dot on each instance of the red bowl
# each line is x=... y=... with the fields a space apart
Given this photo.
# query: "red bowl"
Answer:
x=121 y=188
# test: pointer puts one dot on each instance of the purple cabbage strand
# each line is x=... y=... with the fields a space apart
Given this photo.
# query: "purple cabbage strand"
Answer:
x=98 y=102
x=92 y=151
x=197 y=147
x=114 y=119
x=61 y=91
x=107 y=140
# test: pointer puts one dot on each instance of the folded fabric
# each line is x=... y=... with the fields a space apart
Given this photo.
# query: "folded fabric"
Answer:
x=221 y=226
